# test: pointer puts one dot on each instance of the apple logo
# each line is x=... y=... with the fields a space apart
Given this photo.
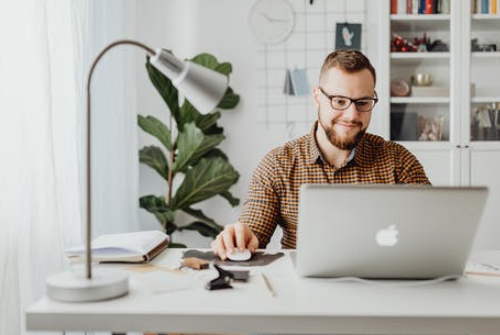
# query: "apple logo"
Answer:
x=387 y=237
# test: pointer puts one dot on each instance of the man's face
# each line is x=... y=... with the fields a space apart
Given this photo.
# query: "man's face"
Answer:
x=344 y=128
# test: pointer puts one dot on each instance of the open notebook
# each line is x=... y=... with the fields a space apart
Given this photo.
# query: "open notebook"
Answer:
x=136 y=247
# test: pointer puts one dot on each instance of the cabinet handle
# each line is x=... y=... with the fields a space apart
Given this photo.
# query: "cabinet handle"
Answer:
x=459 y=146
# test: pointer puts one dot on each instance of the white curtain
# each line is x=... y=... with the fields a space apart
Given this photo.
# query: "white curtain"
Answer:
x=46 y=49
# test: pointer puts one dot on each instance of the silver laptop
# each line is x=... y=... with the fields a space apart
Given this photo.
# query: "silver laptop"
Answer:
x=386 y=231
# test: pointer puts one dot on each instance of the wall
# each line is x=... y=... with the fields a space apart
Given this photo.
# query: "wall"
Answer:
x=220 y=27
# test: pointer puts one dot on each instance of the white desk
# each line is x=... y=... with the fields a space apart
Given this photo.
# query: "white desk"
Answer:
x=301 y=306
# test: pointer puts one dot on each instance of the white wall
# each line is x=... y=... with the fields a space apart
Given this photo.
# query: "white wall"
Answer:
x=220 y=27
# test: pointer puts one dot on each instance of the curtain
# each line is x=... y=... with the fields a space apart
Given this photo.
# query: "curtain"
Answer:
x=47 y=48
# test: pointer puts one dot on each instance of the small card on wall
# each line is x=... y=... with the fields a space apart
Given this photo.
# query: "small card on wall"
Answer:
x=296 y=82
x=348 y=36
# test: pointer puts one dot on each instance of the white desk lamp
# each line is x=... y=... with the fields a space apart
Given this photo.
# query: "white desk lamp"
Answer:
x=204 y=89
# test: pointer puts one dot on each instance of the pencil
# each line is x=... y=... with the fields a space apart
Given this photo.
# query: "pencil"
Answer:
x=268 y=284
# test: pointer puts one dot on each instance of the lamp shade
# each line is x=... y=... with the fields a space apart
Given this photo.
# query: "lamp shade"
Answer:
x=204 y=88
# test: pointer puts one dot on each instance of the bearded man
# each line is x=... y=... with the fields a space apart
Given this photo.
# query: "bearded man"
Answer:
x=336 y=150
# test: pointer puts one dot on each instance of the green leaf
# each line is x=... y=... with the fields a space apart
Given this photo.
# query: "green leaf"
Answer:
x=189 y=114
x=196 y=213
x=202 y=228
x=206 y=60
x=205 y=122
x=153 y=157
x=224 y=68
x=192 y=145
x=177 y=245
x=206 y=179
x=156 y=128
x=215 y=153
x=230 y=99
x=229 y=197
x=166 y=89
x=158 y=207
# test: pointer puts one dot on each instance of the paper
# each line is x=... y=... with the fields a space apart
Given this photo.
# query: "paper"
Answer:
x=296 y=82
x=483 y=269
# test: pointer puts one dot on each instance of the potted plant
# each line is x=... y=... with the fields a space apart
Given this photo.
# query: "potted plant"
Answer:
x=189 y=155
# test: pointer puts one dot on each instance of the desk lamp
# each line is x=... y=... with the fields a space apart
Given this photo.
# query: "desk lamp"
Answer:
x=204 y=89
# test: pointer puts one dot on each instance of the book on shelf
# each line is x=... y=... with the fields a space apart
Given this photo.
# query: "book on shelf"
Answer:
x=135 y=247
x=421 y=6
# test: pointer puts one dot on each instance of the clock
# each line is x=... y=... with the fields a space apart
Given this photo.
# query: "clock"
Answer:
x=271 y=21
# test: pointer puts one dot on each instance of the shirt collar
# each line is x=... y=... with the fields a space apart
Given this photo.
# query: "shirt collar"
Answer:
x=315 y=154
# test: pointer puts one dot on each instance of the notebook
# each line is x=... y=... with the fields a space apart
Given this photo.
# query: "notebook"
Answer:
x=386 y=231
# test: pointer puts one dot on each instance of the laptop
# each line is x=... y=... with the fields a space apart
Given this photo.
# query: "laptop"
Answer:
x=386 y=231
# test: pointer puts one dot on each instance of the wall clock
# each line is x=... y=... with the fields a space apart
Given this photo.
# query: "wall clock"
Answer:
x=272 y=21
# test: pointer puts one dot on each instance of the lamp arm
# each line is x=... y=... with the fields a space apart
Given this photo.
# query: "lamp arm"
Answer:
x=89 y=183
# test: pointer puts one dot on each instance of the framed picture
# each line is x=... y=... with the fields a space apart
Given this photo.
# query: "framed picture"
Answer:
x=348 y=36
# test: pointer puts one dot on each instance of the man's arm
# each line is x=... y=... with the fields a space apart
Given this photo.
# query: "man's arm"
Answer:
x=409 y=170
x=259 y=216
x=261 y=208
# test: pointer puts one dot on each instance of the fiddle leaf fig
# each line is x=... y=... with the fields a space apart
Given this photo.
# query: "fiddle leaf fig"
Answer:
x=192 y=151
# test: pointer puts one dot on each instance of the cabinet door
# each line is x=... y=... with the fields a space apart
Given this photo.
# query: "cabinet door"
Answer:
x=484 y=55
x=441 y=165
x=485 y=171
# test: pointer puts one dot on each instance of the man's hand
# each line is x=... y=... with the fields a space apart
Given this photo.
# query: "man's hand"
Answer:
x=234 y=236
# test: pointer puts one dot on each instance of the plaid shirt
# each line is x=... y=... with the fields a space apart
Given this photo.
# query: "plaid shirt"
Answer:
x=273 y=196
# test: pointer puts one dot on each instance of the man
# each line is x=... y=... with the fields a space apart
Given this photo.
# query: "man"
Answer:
x=336 y=150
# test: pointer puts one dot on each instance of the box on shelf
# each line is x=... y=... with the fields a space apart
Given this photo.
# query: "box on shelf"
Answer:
x=430 y=91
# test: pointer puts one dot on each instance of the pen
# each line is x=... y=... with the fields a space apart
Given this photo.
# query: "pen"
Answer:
x=268 y=284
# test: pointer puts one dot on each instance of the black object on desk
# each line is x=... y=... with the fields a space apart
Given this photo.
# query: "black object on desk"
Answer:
x=222 y=281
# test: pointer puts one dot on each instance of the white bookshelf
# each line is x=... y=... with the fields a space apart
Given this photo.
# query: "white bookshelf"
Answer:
x=469 y=155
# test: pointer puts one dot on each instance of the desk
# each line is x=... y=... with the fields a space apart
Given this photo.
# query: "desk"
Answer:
x=301 y=306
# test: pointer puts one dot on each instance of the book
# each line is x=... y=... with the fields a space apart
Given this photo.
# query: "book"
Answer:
x=135 y=247
x=483 y=269
x=394 y=6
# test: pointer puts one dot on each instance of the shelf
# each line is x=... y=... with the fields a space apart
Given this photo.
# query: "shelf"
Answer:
x=486 y=54
x=420 y=17
x=420 y=100
x=485 y=17
x=419 y=55
x=485 y=99
x=427 y=145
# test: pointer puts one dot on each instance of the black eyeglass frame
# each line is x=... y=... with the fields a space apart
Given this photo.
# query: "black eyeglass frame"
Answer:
x=330 y=97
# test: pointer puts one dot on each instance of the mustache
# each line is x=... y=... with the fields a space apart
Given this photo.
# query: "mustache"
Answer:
x=355 y=123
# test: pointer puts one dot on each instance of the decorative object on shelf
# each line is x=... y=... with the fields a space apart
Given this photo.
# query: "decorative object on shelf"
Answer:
x=476 y=47
x=400 y=44
x=438 y=46
x=271 y=21
x=191 y=157
x=421 y=79
x=202 y=87
x=422 y=44
x=400 y=88
x=348 y=36
x=485 y=122
x=430 y=128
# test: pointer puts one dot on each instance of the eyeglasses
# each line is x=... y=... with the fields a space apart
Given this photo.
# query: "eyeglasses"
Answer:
x=341 y=103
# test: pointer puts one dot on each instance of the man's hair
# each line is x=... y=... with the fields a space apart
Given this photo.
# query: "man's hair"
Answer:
x=348 y=60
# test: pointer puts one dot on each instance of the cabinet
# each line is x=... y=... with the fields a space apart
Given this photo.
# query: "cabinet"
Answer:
x=462 y=105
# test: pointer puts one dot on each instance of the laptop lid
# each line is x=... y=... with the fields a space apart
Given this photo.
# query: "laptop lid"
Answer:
x=386 y=231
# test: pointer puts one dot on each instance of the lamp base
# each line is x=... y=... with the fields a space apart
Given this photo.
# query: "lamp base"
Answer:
x=75 y=287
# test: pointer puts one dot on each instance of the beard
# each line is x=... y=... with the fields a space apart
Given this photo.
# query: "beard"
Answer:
x=343 y=142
